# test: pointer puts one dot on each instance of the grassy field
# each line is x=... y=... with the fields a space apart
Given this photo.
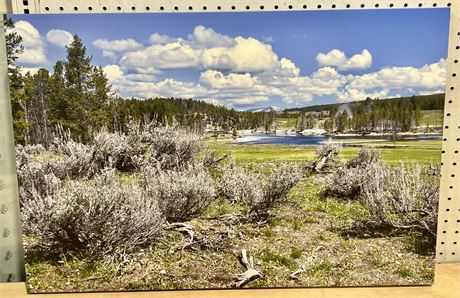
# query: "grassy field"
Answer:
x=418 y=151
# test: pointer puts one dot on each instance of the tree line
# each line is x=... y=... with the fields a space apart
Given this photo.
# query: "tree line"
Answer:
x=401 y=114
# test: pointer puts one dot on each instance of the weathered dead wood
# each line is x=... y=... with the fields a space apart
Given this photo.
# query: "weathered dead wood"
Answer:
x=324 y=156
x=211 y=159
x=184 y=228
x=214 y=237
x=295 y=274
x=250 y=274
x=232 y=218
x=320 y=164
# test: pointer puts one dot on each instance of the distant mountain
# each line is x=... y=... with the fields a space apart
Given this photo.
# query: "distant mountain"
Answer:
x=267 y=109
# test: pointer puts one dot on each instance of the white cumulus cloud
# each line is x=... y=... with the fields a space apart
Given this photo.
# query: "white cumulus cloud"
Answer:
x=119 y=45
x=59 y=38
x=30 y=35
x=207 y=38
x=244 y=71
x=172 y=55
x=112 y=48
x=247 y=55
x=216 y=79
x=34 y=46
x=31 y=70
x=428 y=79
x=113 y=72
x=337 y=58
x=203 y=48
x=157 y=38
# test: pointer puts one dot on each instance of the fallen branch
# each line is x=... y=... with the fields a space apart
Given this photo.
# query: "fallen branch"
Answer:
x=184 y=228
x=232 y=218
x=211 y=159
x=250 y=274
x=295 y=275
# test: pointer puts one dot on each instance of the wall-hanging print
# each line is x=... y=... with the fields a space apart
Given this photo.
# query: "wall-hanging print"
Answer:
x=219 y=150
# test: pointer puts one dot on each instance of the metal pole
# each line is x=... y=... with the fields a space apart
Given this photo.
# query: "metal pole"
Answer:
x=11 y=248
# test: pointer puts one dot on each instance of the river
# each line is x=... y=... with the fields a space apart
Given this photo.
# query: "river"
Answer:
x=314 y=140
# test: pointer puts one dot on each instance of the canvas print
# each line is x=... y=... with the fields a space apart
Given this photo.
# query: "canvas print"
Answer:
x=228 y=150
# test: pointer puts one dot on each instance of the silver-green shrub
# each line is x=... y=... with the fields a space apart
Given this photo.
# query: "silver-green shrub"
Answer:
x=366 y=156
x=346 y=182
x=36 y=181
x=95 y=216
x=73 y=197
x=116 y=150
x=402 y=197
x=256 y=191
x=182 y=195
x=279 y=183
x=174 y=147
x=76 y=158
x=37 y=175
x=168 y=147
x=237 y=185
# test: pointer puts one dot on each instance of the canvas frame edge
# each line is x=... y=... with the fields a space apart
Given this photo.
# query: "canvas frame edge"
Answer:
x=447 y=247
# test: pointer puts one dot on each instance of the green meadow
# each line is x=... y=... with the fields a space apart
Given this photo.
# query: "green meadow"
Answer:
x=427 y=152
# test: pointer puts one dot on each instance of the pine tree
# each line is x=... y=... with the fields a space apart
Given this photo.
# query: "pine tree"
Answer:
x=342 y=122
x=417 y=116
x=37 y=91
x=328 y=125
x=78 y=71
x=79 y=100
x=98 y=105
x=14 y=48
x=58 y=104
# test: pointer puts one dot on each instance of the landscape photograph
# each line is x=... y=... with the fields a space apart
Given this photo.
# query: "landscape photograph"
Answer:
x=228 y=150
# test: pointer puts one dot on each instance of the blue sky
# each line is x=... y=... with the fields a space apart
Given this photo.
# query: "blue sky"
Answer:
x=247 y=60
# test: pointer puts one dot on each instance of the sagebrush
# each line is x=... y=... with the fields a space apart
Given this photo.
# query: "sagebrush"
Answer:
x=182 y=195
x=405 y=197
x=279 y=183
x=257 y=192
x=238 y=185
x=95 y=216
x=90 y=197
x=346 y=182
